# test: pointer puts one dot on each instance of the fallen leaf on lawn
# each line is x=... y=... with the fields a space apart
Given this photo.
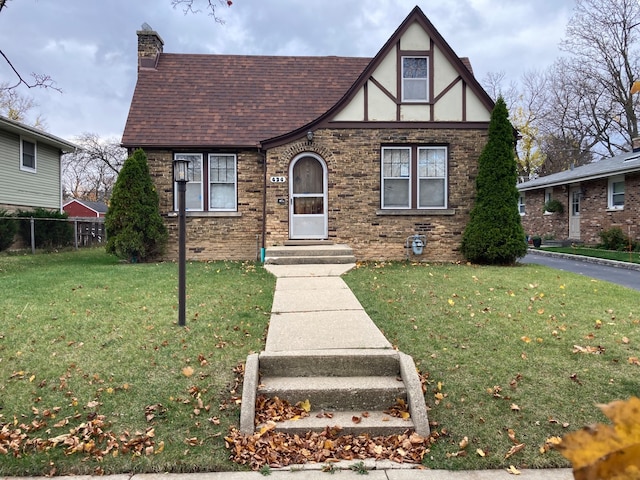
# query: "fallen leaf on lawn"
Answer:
x=512 y=435
x=525 y=339
x=588 y=349
x=513 y=470
x=634 y=361
x=625 y=340
x=515 y=408
x=187 y=371
x=460 y=453
x=513 y=450
x=607 y=451
x=549 y=443
x=480 y=452
x=464 y=443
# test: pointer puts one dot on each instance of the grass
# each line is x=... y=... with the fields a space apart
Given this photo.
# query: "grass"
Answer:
x=497 y=345
x=85 y=334
x=631 y=257
x=82 y=335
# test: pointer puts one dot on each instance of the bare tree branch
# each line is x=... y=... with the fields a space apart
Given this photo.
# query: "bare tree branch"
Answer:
x=191 y=6
x=43 y=81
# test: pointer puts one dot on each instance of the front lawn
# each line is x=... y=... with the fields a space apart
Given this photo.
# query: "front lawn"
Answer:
x=97 y=377
x=91 y=346
x=527 y=351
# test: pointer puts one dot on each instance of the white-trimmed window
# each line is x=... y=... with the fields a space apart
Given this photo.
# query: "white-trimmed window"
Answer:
x=616 y=193
x=222 y=182
x=193 y=197
x=212 y=182
x=396 y=177
x=521 y=204
x=28 y=151
x=415 y=79
x=414 y=177
x=432 y=177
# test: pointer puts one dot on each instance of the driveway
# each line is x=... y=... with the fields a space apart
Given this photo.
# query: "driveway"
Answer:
x=594 y=268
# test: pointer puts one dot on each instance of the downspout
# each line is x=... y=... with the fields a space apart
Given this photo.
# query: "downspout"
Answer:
x=264 y=199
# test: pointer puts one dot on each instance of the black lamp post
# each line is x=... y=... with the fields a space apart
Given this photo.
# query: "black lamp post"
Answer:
x=181 y=177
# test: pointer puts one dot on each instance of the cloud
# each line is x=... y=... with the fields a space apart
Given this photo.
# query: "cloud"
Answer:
x=90 y=48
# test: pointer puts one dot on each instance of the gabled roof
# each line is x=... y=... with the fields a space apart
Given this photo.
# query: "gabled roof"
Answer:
x=462 y=66
x=34 y=133
x=608 y=167
x=194 y=100
x=233 y=100
x=98 y=207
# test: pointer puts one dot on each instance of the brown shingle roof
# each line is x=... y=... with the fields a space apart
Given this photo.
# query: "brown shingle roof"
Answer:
x=233 y=100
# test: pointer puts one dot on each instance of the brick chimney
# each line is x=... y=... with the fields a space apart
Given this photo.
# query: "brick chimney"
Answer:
x=149 y=47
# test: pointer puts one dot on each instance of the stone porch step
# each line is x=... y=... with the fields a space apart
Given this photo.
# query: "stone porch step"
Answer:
x=336 y=393
x=331 y=363
x=324 y=253
x=353 y=422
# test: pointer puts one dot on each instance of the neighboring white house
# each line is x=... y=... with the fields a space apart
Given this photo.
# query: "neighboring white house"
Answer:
x=30 y=167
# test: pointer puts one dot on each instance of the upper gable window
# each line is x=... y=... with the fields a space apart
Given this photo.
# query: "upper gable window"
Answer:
x=27 y=156
x=415 y=79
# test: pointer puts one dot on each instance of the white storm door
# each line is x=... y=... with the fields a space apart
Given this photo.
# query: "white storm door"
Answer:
x=308 y=198
x=574 y=214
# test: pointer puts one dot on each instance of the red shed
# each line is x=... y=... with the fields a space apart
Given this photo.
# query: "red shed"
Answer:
x=85 y=208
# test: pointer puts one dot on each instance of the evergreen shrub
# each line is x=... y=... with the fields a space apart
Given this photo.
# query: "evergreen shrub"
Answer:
x=8 y=230
x=135 y=230
x=50 y=231
x=494 y=233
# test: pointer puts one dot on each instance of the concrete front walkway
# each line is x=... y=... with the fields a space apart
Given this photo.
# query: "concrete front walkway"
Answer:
x=313 y=309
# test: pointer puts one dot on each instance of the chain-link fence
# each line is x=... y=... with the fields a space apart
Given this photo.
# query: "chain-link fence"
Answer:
x=36 y=233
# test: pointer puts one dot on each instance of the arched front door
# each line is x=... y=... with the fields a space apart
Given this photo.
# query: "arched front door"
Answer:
x=308 y=197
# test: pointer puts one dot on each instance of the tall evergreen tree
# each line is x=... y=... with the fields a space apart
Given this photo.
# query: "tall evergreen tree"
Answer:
x=494 y=234
x=135 y=230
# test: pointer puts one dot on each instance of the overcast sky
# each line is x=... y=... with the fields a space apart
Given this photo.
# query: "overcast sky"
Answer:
x=89 y=47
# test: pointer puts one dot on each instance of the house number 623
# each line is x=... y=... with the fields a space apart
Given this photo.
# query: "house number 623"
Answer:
x=278 y=179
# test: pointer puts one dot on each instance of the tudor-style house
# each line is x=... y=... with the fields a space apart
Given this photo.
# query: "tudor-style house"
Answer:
x=359 y=151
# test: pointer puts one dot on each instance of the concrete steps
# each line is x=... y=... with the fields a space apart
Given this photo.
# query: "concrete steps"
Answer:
x=336 y=393
x=348 y=389
x=306 y=253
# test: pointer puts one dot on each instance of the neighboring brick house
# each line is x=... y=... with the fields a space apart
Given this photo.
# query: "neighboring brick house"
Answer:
x=30 y=167
x=594 y=197
x=360 y=151
x=85 y=208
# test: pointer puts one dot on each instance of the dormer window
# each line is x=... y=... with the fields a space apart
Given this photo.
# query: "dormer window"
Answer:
x=415 y=79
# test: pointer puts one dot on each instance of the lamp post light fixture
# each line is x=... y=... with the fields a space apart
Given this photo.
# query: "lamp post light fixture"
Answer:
x=181 y=177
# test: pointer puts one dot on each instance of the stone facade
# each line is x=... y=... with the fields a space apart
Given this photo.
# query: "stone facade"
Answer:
x=214 y=235
x=595 y=216
x=352 y=157
x=354 y=215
